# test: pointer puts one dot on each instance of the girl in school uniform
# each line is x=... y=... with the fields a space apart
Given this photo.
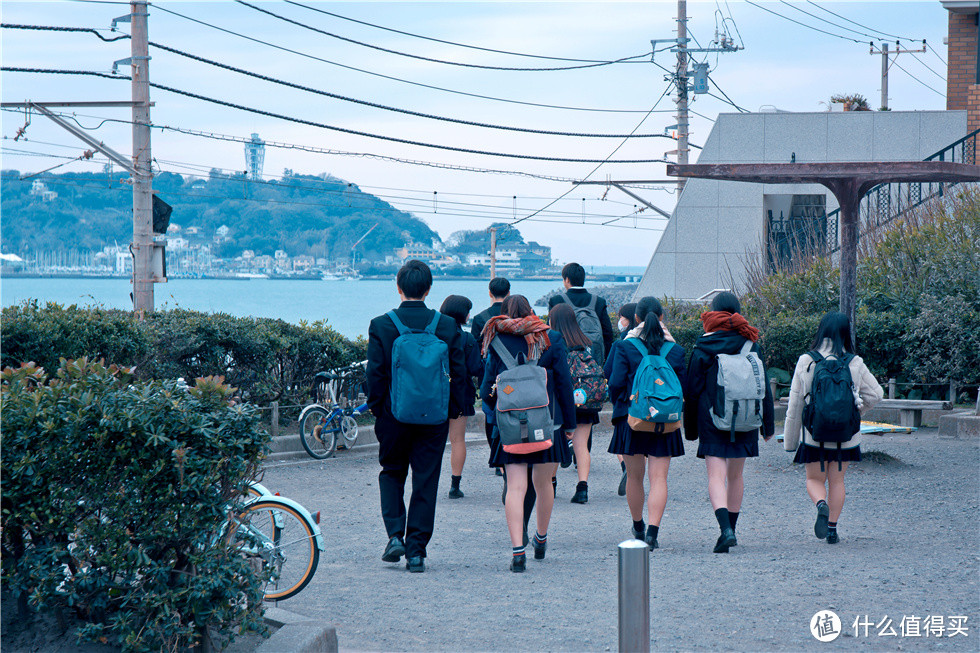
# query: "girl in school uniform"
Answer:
x=827 y=466
x=522 y=332
x=458 y=308
x=642 y=452
x=562 y=319
x=627 y=319
x=725 y=332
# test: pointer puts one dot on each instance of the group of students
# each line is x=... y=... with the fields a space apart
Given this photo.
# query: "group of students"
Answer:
x=579 y=336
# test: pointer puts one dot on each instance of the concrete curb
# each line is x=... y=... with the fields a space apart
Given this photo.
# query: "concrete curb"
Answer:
x=960 y=425
x=297 y=634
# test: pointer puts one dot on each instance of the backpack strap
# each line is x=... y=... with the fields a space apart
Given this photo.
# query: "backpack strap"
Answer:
x=640 y=345
x=505 y=356
x=747 y=347
x=431 y=329
x=568 y=301
x=816 y=357
x=666 y=347
x=402 y=329
x=592 y=302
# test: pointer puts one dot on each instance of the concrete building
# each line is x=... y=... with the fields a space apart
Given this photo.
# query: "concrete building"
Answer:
x=716 y=225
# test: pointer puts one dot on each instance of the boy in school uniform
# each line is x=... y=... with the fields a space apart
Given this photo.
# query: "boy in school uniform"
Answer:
x=573 y=278
x=499 y=291
x=416 y=446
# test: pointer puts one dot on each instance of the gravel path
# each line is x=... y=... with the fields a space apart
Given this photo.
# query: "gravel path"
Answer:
x=910 y=546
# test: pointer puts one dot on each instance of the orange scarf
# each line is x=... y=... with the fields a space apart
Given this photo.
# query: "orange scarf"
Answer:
x=725 y=321
x=535 y=332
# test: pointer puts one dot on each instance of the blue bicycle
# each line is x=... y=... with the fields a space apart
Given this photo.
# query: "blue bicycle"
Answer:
x=329 y=424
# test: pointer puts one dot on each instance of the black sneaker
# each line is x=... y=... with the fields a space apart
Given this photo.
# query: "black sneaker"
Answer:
x=518 y=564
x=725 y=541
x=455 y=493
x=823 y=519
x=622 y=485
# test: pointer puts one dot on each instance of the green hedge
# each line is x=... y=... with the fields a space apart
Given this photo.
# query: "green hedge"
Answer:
x=114 y=496
x=265 y=359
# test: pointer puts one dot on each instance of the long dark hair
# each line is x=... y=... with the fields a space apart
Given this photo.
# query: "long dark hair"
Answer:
x=457 y=307
x=629 y=312
x=562 y=319
x=652 y=334
x=646 y=306
x=516 y=306
x=837 y=328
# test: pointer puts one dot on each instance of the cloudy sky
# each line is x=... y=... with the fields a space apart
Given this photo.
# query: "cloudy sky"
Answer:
x=783 y=65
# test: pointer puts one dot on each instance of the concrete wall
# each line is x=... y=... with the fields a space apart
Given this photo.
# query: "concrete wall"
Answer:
x=716 y=224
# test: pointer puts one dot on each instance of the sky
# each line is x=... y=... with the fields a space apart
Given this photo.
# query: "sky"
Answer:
x=783 y=65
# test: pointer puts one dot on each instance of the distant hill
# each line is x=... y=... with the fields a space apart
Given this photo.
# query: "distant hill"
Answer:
x=301 y=214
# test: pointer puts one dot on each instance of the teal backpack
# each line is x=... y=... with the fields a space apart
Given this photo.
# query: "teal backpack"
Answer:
x=656 y=400
x=419 y=374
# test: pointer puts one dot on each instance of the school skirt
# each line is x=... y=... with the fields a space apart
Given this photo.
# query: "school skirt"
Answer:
x=807 y=454
x=627 y=442
x=712 y=442
x=558 y=452
x=584 y=416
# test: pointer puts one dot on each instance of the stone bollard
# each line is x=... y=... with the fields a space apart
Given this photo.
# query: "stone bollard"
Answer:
x=634 y=597
x=891 y=388
x=274 y=419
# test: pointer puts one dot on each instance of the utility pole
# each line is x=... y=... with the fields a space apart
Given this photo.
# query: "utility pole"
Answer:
x=681 y=81
x=887 y=56
x=493 y=253
x=143 y=177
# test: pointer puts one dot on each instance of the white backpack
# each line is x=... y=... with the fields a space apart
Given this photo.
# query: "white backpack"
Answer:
x=737 y=407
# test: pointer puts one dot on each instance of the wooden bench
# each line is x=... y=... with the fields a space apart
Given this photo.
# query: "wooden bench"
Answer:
x=910 y=410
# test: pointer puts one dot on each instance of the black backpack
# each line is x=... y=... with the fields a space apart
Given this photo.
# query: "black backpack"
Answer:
x=830 y=414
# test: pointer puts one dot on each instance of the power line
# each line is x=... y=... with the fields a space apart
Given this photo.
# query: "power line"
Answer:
x=917 y=79
x=313 y=123
x=384 y=107
x=816 y=29
x=47 y=28
x=734 y=24
x=430 y=59
x=829 y=22
x=435 y=40
x=859 y=24
x=592 y=172
x=391 y=78
x=927 y=66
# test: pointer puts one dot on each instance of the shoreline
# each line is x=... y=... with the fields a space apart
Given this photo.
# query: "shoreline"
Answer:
x=599 y=278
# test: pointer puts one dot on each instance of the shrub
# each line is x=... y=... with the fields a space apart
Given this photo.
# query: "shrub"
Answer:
x=114 y=496
x=944 y=341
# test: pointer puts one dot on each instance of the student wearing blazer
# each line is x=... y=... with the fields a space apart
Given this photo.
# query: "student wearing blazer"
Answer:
x=825 y=466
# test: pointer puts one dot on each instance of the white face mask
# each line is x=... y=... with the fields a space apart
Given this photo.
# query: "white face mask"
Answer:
x=623 y=324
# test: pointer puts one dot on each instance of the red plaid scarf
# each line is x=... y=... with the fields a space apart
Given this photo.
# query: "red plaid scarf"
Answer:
x=535 y=332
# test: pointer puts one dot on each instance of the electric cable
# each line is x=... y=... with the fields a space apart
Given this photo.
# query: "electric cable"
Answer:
x=899 y=66
x=48 y=28
x=435 y=40
x=905 y=38
x=816 y=29
x=375 y=105
x=313 y=123
x=389 y=77
x=430 y=59
x=824 y=20
x=732 y=18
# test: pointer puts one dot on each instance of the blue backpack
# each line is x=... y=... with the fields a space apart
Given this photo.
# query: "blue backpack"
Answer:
x=419 y=374
x=657 y=400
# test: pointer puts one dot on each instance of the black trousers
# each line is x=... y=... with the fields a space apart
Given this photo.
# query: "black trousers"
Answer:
x=419 y=448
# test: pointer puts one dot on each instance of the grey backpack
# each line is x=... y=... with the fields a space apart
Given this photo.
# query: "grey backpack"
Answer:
x=588 y=321
x=737 y=406
x=523 y=409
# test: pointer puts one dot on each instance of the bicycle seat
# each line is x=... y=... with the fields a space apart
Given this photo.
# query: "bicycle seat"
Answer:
x=326 y=375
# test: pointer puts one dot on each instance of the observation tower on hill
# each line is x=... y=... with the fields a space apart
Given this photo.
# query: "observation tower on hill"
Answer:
x=254 y=157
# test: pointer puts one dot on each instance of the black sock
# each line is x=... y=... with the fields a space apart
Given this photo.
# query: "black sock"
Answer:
x=456 y=480
x=732 y=518
x=518 y=551
x=722 y=516
x=652 y=531
x=821 y=501
x=540 y=539
x=832 y=527
x=638 y=526
x=582 y=485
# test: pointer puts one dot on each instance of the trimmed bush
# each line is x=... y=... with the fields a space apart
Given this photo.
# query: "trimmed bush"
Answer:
x=944 y=341
x=115 y=494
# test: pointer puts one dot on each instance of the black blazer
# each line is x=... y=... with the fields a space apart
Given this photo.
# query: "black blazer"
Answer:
x=553 y=359
x=580 y=298
x=480 y=320
x=701 y=384
x=474 y=369
x=381 y=335
x=621 y=367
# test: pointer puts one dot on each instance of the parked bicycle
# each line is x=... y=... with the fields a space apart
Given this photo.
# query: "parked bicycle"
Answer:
x=329 y=424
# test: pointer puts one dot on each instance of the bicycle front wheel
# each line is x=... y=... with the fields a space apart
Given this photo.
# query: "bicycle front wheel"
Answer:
x=283 y=540
x=317 y=434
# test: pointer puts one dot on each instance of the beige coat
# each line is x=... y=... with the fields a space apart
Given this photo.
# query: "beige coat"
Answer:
x=867 y=393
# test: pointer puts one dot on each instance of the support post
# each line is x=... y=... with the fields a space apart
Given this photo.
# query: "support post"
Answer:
x=891 y=388
x=952 y=391
x=143 y=177
x=634 y=597
x=274 y=419
x=493 y=253
x=774 y=389
x=849 y=193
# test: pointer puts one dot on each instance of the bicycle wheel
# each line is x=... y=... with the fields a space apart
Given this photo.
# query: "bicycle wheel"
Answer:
x=282 y=538
x=318 y=436
x=348 y=429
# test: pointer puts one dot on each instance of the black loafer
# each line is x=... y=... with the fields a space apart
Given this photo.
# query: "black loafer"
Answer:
x=725 y=541
x=455 y=493
x=820 y=527
x=832 y=537
x=580 y=496
x=622 y=485
x=539 y=548
x=518 y=564
x=415 y=564
x=394 y=551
